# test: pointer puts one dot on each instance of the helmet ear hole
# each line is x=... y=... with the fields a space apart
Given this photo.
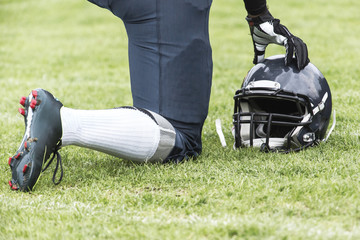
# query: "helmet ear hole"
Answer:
x=305 y=137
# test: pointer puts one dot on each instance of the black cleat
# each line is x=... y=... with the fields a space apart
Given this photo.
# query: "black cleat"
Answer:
x=42 y=138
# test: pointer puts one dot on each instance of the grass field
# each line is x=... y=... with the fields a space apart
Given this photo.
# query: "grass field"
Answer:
x=79 y=53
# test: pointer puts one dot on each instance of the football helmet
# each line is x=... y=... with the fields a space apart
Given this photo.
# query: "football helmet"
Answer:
x=281 y=108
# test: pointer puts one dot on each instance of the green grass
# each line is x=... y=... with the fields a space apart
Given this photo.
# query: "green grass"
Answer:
x=79 y=52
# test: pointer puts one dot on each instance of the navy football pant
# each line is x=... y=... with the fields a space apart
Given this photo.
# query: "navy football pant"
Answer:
x=170 y=62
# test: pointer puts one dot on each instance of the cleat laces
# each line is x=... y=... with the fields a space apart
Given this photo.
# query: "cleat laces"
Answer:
x=58 y=164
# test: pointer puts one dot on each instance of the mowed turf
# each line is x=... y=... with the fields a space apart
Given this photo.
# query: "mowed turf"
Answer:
x=78 y=52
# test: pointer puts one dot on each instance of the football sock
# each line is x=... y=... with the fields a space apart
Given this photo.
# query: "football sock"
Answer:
x=127 y=132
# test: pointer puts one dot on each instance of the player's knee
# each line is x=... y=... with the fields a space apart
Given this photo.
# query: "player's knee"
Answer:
x=167 y=137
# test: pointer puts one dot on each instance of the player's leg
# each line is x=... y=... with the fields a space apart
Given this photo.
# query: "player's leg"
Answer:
x=170 y=63
x=127 y=132
x=185 y=70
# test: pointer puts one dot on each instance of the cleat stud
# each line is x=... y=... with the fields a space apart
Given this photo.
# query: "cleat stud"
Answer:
x=25 y=168
x=22 y=101
x=17 y=156
x=33 y=103
x=21 y=111
x=9 y=162
x=34 y=93
x=25 y=145
x=13 y=186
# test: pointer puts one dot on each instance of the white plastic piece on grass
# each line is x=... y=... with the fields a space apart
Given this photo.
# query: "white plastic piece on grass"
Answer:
x=220 y=132
x=332 y=126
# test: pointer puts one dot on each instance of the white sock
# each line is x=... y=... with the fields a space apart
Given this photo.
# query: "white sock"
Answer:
x=127 y=133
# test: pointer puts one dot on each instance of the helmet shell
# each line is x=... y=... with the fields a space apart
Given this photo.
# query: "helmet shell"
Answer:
x=309 y=82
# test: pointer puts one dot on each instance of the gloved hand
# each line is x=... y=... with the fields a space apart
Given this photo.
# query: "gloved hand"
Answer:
x=265 y=29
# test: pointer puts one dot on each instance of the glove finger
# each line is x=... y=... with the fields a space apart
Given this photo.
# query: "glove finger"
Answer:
x=282 y=33
x=289 y=46
x=259 y=58
x=259 y=53
x=281 y=29
x=301 y=53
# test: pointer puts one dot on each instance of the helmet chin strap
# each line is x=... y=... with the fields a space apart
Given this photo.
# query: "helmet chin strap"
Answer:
x=315 y=110
x=321 y=105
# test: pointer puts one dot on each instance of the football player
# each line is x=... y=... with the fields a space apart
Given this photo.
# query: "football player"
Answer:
x=170 y=62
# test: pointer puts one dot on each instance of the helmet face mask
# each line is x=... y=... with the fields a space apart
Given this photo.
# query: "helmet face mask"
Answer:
x=278 y=108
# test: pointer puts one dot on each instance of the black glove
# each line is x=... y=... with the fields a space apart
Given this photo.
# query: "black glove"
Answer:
x=265 y=30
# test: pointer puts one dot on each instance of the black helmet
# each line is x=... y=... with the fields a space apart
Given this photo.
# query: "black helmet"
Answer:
x=281 y=108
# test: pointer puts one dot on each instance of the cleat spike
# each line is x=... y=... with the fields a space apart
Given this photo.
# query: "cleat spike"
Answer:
x=25 y=168
x=17 y=156
x=13 y=186
x=9 y=162
x=34 y=93
x=33 y=103
x=26 y=145
x=21 y=111
x=22 y=101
